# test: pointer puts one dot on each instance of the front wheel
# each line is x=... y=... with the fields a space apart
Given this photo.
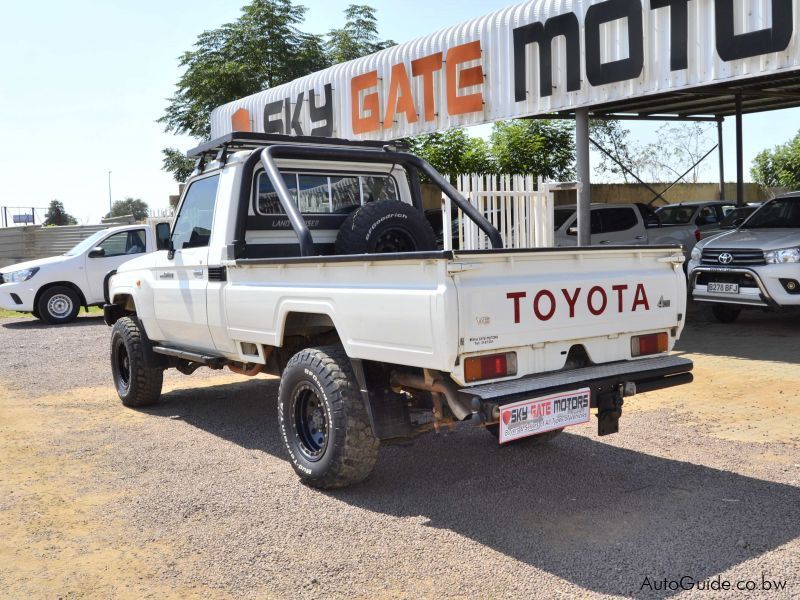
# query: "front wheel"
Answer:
x=138 y=383
x=323 y=420
x=58 y=305
x=725 y=313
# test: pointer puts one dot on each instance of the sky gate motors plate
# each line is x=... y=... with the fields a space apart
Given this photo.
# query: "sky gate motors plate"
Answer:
x=531 y=417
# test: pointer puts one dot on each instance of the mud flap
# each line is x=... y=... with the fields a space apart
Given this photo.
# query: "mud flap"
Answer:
x=609 y=410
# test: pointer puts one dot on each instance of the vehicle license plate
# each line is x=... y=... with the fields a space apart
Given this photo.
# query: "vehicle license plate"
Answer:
x=531 y=417
x=723 y=288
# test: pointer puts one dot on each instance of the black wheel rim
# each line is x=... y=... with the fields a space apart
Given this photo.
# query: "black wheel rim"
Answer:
x=395 y=240
x=310 y=421
x=123 y=364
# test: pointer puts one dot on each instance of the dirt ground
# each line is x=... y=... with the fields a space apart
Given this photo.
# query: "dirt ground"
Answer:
x=194 y=497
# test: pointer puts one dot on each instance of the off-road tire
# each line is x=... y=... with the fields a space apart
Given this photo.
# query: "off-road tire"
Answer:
x=724 y=313
x=323 y=377
x=385 y=226
x=141 y=386
x=58 y=305
x=532 y=440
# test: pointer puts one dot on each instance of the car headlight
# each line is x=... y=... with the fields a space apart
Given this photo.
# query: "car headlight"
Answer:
x=697 y=253
x=20 y=276
x=784 y=255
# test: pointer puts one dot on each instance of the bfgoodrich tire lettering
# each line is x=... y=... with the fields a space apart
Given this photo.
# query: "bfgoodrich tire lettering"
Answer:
x=385 y=226
x=323 y=420
x=138 y=383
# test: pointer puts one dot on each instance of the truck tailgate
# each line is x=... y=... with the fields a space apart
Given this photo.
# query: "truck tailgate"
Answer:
x=510 y=299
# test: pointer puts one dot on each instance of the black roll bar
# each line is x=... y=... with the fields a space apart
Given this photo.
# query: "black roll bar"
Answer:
x=269 y=154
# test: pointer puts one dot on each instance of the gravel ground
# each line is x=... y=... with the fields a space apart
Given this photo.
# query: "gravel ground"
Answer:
x=194 y=497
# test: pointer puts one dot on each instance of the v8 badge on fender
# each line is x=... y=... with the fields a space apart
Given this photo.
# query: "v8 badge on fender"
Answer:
x=531 y=417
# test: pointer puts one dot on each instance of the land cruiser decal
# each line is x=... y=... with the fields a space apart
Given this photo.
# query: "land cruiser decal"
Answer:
x=597 y=300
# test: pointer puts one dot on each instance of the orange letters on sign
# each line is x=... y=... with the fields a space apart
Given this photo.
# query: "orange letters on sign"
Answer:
x=405 y=103
x=240 y=120
x=457 y=105
x=371 y=105
x=426 y=67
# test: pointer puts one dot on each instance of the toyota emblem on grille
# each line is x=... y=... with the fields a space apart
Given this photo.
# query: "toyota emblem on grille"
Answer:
x=725 y=258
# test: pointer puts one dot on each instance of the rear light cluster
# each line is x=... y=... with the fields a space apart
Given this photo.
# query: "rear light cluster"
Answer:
x=492 y=366
x=652 y=343
x=698 y=235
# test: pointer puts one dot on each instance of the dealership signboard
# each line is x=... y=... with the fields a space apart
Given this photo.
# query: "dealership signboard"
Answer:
x=534 y=58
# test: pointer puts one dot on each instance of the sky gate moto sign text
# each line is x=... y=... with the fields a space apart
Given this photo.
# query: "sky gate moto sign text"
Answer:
x=538 y=57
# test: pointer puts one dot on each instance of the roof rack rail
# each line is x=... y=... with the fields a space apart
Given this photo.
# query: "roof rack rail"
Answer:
x=247 y=140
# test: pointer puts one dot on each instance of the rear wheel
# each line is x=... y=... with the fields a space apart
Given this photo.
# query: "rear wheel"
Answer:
x=323 y=420
x=138 y=383
x=533 y=440
x=725 y=313
x=58 y=305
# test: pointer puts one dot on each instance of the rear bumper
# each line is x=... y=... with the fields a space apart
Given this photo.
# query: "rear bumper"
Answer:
x=643 y=375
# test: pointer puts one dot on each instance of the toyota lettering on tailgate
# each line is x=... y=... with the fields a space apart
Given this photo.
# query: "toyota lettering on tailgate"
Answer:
x=597 y=300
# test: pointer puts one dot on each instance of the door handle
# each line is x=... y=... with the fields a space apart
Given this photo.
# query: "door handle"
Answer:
x=605 y=241
x=198 y=272
x=639 y=237
x=167 y=276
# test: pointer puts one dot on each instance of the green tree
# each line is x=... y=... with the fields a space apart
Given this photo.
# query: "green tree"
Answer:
x=779 y=167
x=454 y=152
x=177 y=163
x=358 y=37
x=534 y=147
x=57 y=215
x=263 y=48
x=615 y=139
x=129 y=206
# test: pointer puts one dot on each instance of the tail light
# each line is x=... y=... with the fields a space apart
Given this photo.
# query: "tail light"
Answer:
x=492 y=366
x=652 y=343
x=698 y=235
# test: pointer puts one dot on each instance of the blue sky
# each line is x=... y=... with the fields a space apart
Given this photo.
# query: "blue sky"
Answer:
x=82 y=83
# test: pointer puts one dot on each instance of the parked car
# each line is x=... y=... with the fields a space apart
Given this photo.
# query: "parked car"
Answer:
x=55 y=288
x=614 y=225
x=754 y=266
x=734 y=218
x=367 y=323
x=687 y=219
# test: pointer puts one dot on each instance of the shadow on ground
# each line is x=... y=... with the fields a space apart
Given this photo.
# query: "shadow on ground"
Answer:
x=31 y=323
x=549 y=507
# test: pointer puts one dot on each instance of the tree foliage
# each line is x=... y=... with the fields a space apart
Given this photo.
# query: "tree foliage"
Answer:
x=129 y=206
x=779 y=167
x=261 y=49
x=177 y=163
x=358 y=37
x=534 y=147
x=57 y=215
x=453 y=152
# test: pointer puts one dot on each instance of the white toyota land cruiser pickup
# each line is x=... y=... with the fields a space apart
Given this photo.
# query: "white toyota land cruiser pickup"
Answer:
x=311 y=259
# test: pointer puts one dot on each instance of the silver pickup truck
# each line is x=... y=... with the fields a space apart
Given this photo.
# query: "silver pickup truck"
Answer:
x=756 y=265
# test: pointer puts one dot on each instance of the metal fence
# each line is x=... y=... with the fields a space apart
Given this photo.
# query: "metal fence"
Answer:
x=18 y=244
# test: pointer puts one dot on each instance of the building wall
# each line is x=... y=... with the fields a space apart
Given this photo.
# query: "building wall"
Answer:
x=18 y=244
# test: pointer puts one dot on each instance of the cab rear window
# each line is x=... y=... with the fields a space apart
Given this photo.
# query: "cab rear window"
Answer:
x=333 y=193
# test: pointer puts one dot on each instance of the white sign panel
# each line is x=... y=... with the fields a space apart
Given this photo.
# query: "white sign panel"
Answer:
x=532 y=417
x=534 y=58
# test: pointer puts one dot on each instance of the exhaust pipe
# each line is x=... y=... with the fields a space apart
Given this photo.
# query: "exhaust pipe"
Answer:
x=435 y=382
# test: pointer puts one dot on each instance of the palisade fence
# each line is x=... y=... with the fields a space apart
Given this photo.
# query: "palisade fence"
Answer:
x=18 y=244
x=520 y=207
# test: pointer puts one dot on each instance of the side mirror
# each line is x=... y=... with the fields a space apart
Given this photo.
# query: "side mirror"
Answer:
x=97 y=252
x=739 y=221
x=162 y=236
x=572 y=231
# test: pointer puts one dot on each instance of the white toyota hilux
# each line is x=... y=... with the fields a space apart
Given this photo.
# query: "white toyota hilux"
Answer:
x=311 y=259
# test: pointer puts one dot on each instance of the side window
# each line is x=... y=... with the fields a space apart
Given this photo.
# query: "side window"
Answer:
x=617 y=219
x=314 y=194
x=345 y=193
x=597 y=225
x=378 y=188
x=124 y=242
x=706 y=216
x=268 y=203
x=193 y=225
